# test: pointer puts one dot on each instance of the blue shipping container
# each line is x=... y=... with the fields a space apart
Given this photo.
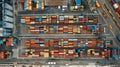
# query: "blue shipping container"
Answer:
x=78 y=2
x=115 y=1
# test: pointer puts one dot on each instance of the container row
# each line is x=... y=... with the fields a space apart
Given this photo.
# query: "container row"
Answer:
x=32 y=4
x=67 y=53
x=40 y=43
x=5 y=54
x=65 y=29
x=8 y=41
x=60 y=19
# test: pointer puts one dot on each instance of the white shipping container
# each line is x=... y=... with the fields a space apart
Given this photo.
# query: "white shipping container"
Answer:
x=75 y=39
x=32 y=22
x=7 y=6
x=61 y=17
x=7 y=18
x=81 y=16
x=8 y=25
x=7 y=12
x=22 y=20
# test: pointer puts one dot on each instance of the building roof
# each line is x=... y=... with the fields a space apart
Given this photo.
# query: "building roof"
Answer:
x=55 y=2
x=1 y=11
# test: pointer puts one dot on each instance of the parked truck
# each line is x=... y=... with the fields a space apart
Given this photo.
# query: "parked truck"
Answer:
x=97 y=4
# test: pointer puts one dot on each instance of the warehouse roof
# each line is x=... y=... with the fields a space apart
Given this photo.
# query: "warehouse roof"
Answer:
x=55 y=2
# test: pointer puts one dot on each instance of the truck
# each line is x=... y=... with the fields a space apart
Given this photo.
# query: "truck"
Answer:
x=118 y=38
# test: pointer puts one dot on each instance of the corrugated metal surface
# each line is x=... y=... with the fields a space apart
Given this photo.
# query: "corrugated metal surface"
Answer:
x=8 y=25
x=7 y=18
x=7 y=12
x=7 y=6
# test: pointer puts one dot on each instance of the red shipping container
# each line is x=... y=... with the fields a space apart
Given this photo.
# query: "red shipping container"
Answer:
x=8 y=43
x=84 y=27
x=85 y=19
x=54 y=17
x=90 y=45
x=36 y=52
x=21 y=1
x=2 y=55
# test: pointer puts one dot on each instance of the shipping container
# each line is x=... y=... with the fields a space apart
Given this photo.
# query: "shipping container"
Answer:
x=78 y=2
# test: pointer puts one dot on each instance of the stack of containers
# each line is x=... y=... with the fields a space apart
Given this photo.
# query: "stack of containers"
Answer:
x=33 y=4
x=66 y=53
x=46 y=53
x=56 y=53
x=71 y=19
x=46 y=42
x=8 y=41
x=56 y=42
x=60 y=29
x=54 y=19
x=2 y=55
x=41 y=41
x=83 y=29
x=70 y=29
x=105 y=53
x=28 y=4
x=75 y=29
x=60 y=19
x=44 y=19
x=65 y=29
x=41 y=29
x=70 y=53
x=107 y=43
x=27 y=43
x=85 y=19
x=81 y=19
x=93 y=19
x=97 y=53
x=63 y=43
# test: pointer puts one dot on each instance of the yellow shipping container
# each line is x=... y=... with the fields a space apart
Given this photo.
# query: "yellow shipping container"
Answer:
x=46 y=55
x=90 y=21
x=44 y=16
x=71 y=17
x=70 y=21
